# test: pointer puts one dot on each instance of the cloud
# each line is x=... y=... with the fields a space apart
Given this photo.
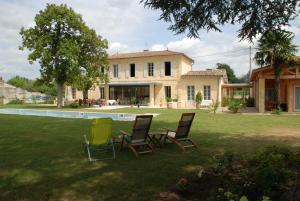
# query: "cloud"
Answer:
x=117 y=47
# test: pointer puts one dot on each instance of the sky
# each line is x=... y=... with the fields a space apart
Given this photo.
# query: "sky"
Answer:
x=128 y=27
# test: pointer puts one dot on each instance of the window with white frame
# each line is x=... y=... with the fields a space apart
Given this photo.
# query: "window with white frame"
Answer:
x=150 y=69
x=168 y=92
x=102 y=93
x=191 y=92
x=207 y=93
x=74 y=93
x=116 y=70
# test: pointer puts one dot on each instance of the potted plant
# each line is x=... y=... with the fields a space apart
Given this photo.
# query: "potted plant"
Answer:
x=198 y=99
x=169 y=102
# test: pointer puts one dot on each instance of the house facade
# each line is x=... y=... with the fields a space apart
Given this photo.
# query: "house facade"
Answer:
x=264 y=88
x=153 y=77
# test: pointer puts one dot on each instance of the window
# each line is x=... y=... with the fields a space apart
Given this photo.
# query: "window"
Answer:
x=150 y=69
x=191 y=92
x=168 y=92
x=167 y=68
x=116 y=70
x=207 y=92
x=73 y=93
x=132 y=70
x=270 y=94
x=102 y=93
x=102 y=70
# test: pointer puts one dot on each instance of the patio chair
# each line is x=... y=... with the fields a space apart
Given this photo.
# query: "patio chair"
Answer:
x=139 y=136
x=100 y=139
x=180 y=136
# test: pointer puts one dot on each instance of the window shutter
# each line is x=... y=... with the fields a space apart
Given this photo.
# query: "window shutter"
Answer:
x=119 y=68
x=171 y=69
x=146 y=69
x=127 y=70
x=162 y=69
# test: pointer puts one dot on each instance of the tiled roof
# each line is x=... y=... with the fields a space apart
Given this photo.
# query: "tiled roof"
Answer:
x=209 y=72
x=146 y=54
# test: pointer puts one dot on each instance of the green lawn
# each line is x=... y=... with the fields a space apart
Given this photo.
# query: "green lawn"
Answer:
x=41 y=158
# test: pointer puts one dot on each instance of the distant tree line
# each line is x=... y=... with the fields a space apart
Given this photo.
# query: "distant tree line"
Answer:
x=232 y=78
x=33 y=85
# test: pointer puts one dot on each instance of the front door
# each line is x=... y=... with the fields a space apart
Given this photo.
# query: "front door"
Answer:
x=297 y=98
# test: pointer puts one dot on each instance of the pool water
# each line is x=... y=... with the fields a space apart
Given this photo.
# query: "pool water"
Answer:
x=70 y=114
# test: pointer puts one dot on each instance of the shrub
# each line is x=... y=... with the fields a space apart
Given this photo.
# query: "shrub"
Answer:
x=16 y=101
x=234 y=105
x=168 y=99
x=74 y=105
x=214 y=106
x=225 y=101
x=250 y=102
x=198 y=99
x=276 y=111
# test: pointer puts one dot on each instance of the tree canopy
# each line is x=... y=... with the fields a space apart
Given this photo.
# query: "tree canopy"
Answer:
x=57 y=41
x=276 y=49
x=33 y=85
x=255 y=17
x=230 y=73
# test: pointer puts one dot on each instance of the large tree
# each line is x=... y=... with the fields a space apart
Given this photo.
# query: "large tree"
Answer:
x=93 y=57
x=230 y=73
x=255 y=17
x=56 y=42
x=277 y=50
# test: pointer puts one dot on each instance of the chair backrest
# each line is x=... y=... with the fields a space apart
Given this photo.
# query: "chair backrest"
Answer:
x=184 y=125
x=101 y=131
x=141 y=127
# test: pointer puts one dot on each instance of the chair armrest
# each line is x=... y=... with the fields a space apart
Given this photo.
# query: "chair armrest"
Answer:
x=124 y=132
x=167 y=129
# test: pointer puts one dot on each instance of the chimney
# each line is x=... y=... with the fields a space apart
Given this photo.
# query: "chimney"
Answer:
x=146 y=50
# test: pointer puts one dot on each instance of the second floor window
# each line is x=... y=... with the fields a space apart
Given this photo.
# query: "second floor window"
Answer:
x=102 y=70
x=150 y=69
x=207 y=92
x=168 y=92
x=116 y=70
x=167 y=68
x=132 y=70
x=191 y=92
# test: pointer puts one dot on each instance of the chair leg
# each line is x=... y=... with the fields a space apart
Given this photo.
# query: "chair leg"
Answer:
x=122 y=143
x=89 y=154
x=193 y=143
x=113 y=149
x=134 y=151
x=177 y=143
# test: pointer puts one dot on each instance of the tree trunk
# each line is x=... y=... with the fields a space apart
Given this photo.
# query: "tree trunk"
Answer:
x=277 y=86
x=60 y=95
x=85 y=94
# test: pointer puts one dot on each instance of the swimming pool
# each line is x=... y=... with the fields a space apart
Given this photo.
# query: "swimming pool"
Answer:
x=70 y=114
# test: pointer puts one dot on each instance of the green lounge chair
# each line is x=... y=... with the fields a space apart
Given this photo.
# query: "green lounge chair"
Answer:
x=100 y=139
x=180 y=137
x=139 y=136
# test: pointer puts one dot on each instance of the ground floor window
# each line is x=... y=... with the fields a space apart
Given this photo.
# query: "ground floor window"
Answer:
x=102 y=93
x=191 y=92
x=73 y=93
x=168 y=92
x=270 y=94
x=207 y=92
x=297 y=98
x=127 y=95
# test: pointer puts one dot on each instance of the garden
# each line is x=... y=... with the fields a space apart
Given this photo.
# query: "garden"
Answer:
x=42 y=159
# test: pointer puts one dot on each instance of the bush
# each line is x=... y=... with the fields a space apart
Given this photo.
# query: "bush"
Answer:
x=225 y=101
x=168 y=99
x=276 y=111
x=234 y=105
x=16 y=102
x=74 y=105
x=214 y=106
x=250 y=102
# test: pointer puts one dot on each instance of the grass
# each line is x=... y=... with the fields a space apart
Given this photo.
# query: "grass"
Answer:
x=41 y=157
